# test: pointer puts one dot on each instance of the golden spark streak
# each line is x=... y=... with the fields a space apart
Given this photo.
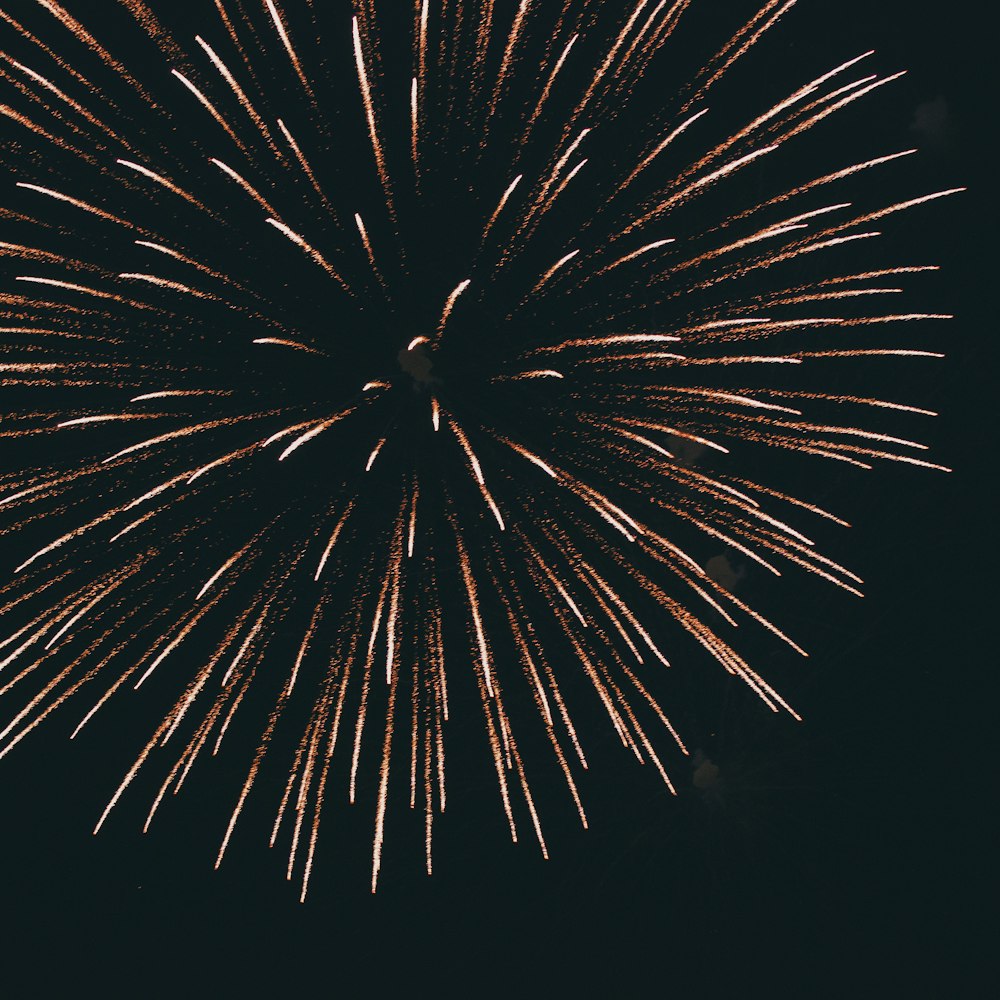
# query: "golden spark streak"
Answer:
x=182 y=634
x=819 y=182
x=450 y=305
x=473 y=596
x=508 y=54
x=85 y=289
x=737 y=47
x=852 y=96
x=175 y=286
x=309 y=249
x=625 y=338
x=78 y=30
x=303 y=162
x=534 y=459
x=634 y=254
x=640 y=35
x=333 y=540
x=556 y=173
x=776 y=112
x=280 y=342
x=207 y=104
x=176 y=255
x=245 y=648
x=251 y=776
x=237 y=90
x=366 y=94
x=165 y=182
x=76 y=106
x=552 y=270
x=699 y=185
x=415 y=124
x=467 y=448
x=83 y=611
x=368 y=248
x=412 y=532
x=245 y=184
x=135 y=524
x=374 y=455
x=366 y=685
x=478 y=474
x=9 y=112
x=313 y=433
x=383 y=787
x=225 y=460
x=76 y=203
x=231 y=561
x=547 y=90
x=392 y=620
x=422 y=59
x=676 y=432
x=638 y=438
x=559 y=190
x=104 y=418
x=503 y=201
x=610 y=58
x=287 y=42
x=133 y=771
x=680 y=130
x=540 y=373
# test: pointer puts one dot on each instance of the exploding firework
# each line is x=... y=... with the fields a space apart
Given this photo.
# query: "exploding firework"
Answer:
x=371 y=365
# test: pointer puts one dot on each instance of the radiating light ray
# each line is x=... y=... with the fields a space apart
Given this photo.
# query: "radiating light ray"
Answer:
x=699 y=185
x=740 y=44
x=52 y=88
x=539 y=373
x=75 y=202
x=312 y=433
x=548 y=275
x=245 y=184
x=449 y=305
x=281 y=342
x=303 y=162
x=368 y=248
x=13 y=115
x=309 y=250
x=503 y=201
x=660 y=147
x=241 y=96
x=366 y=94
x=547 y=89
x=279 y=25
x=211 y=109
x=374 y=455
x=175 y=286
x=508 y=54
x=415 y=125
x=163 y=182
x=333 y=540
x=184 y=259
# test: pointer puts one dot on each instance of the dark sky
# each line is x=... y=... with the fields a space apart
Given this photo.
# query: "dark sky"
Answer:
x=850 y=849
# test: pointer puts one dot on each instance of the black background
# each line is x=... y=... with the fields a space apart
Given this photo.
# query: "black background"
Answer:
x=845 y=855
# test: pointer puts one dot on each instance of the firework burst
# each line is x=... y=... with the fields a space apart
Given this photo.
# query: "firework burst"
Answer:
x=368 y=365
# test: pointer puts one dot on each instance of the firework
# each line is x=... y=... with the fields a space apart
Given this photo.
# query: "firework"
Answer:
x=368 y=366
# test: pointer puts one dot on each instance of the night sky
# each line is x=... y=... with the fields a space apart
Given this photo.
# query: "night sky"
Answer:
x=845 y=855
